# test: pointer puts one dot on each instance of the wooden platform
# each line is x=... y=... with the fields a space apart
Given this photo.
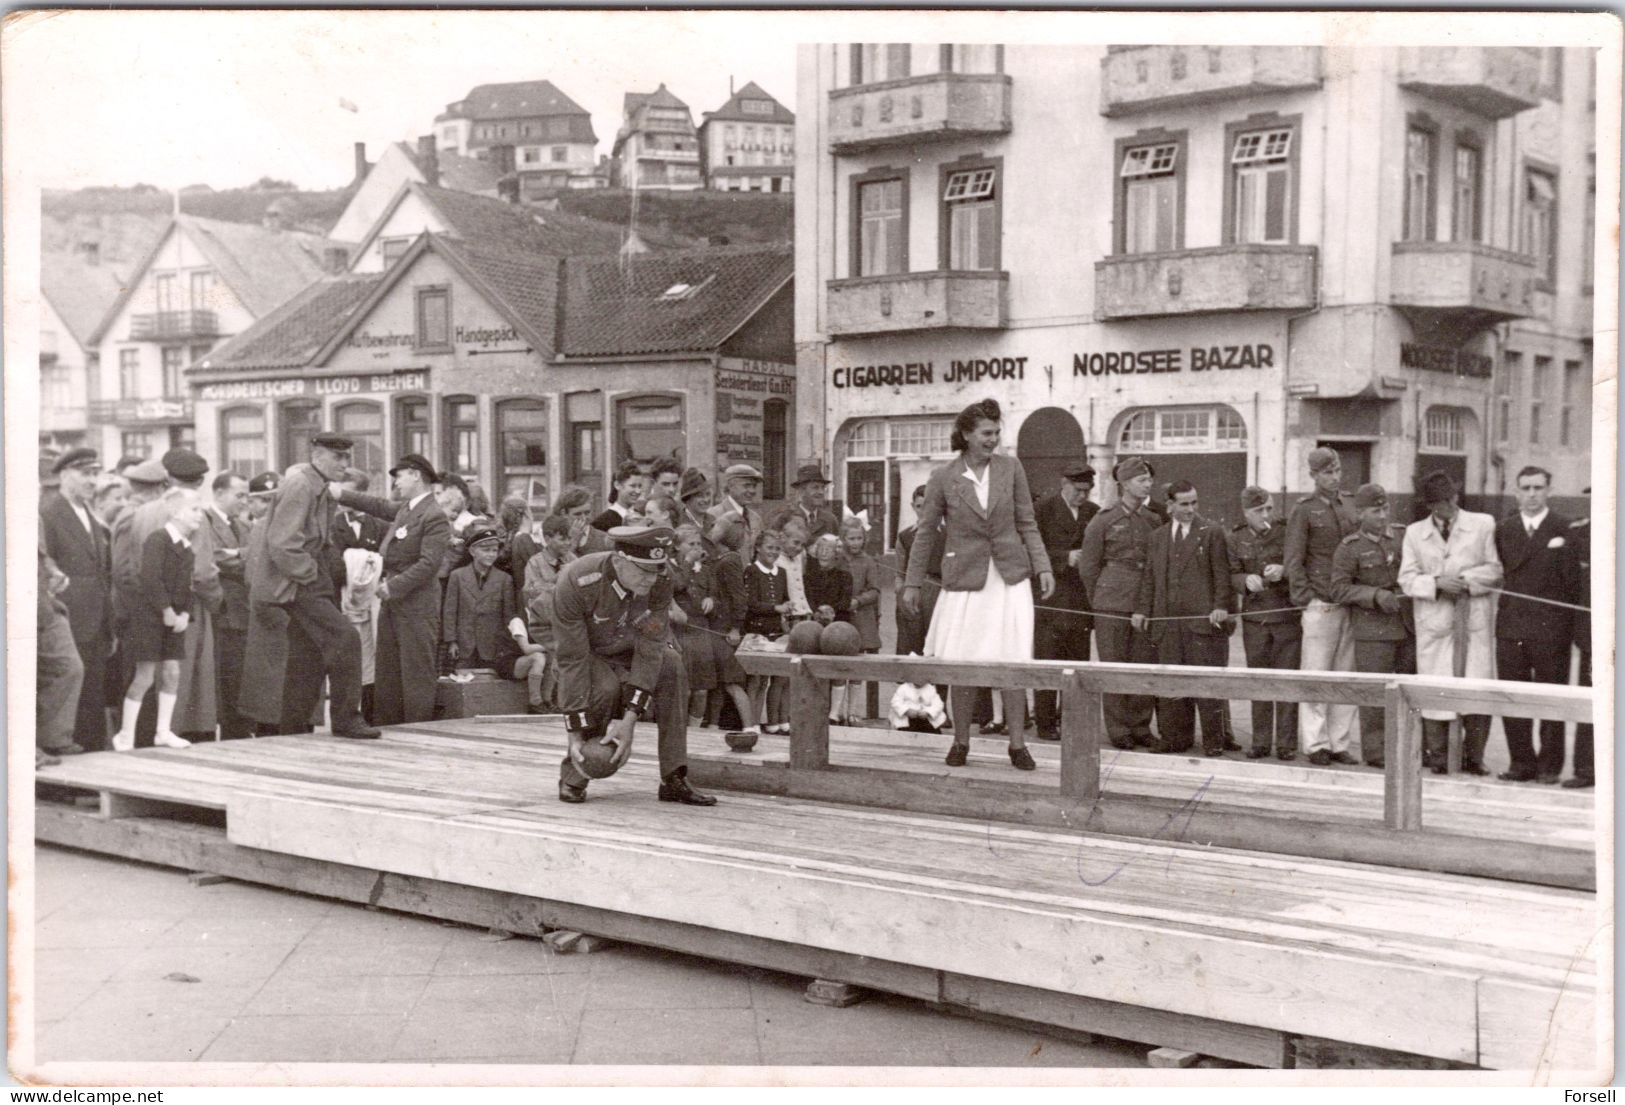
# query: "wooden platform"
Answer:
x=1231 y=953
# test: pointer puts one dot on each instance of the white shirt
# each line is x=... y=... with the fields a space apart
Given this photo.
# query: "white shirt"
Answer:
x=793 y=576
x=1179 y=531
x=420 y=497
x=1532 y=522
x=84 y=517
x=980 y=483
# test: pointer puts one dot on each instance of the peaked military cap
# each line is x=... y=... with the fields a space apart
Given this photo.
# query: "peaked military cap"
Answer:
x=650 y=545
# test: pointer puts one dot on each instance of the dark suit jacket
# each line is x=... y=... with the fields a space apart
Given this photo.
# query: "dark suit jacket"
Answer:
x=166 y=574
x=233 y=535
x=1192 y=579
x=413 y=548
x=475 y=616
x=1533 y=566
x=296 y=532
x=84 y=557
x=819 y=524
x=1062 y=533
x=1004 y=536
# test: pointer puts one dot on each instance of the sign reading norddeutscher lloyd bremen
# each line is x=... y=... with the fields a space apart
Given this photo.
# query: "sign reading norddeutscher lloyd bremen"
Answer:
x=1128 y=362
x=292 y=387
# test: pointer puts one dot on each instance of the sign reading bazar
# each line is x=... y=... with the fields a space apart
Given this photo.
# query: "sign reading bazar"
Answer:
x=1128 y=362
x=293 y=387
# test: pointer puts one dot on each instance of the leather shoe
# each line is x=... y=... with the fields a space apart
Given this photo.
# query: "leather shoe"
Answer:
x=1579 y=782
x=1212 y=753
x=995 y=729
x=1441 y=769
x=1286 y=755
x=1515 y=776
x=1480 y=769
x=1320 y=757
x=1374 y=763
x=1048 y=735
x=359 y=733
x=43 y=758
x=572 y=794
x=1022 y=759
x=675 y=788
x=1231 y=746
x=1257 y=752
x=69 y=749
x=956 y=755
x=1344 y=758
x=1545 y=778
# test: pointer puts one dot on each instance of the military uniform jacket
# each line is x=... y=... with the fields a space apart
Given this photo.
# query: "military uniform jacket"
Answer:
x=1363 y=568
x=1062 y=532
x=413 y=548
x=1116 y=550
x=594 y=616
x=1186 y=579
x=1249 y=553
x=1315 y=528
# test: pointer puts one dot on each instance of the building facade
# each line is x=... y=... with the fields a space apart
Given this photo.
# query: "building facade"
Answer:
x=527 y=127
x=657 y=145
x=76 y=291
x=1208 y=266
x=749 y=144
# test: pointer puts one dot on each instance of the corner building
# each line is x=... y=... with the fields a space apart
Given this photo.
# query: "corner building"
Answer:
x=1220 y=257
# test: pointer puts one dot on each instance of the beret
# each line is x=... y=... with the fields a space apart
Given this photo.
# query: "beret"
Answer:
x=183 y=464
x=417 y=463
x=1437 y=487
x=81 y=457
x=650 y=545
x=1253 y=495
x=1321 y=458
x=1370 y=495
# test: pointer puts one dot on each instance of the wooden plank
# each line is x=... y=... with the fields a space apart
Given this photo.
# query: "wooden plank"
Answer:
x=1171 y=1058
x=809 y=718
x=1552 y=1032
x=1259 y=1047
x=1311 y=1053
x=1401 y=762
x=113 y=806
x=1316 y=991
x=1083 y=729
x=1503 y=699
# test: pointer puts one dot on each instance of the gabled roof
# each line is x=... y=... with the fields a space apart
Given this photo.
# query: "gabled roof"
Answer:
x=519 y=99
x=291 y=335
x=614 y=307
x=79 y=292
x=660 y=97
x=459 y=173
x=263 y=268
x=732 y=112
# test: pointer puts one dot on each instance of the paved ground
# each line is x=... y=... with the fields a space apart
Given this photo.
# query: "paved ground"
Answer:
x=135 y=963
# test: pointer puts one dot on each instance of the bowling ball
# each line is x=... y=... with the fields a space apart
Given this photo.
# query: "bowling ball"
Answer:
x=740 y=742
x=597 y=758
x=804 y=637
x=840 y=639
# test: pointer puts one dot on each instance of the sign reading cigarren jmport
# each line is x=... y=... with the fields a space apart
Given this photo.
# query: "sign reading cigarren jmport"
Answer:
x=1196 y=358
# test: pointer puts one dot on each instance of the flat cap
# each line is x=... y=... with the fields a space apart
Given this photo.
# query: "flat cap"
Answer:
x=336 y=442
x=651 y=545
x=1437 y=487
x=1321 y=458
x=149 y=471
x=1253 y=495
x=741 y=472
x=80 y=457
x=1079 y=473
x=264 y=483
x=418 y=463
x=480 y=532
x=1370 y=495
x=808 y=473
x=184 y=464
x=692 y=483
x=1130 y=467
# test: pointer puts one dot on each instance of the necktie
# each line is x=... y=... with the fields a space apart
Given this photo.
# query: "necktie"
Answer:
x=1444 y=529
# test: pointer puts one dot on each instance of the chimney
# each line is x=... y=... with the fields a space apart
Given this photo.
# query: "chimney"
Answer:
x=91 y=252
x=429 y=160
x=360 y=162
x=338 y=260
x=274 y=219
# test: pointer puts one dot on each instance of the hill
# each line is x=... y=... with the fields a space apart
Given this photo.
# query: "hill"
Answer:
x=742 y=218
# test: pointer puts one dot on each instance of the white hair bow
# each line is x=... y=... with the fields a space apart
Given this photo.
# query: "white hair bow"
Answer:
x=861 y=517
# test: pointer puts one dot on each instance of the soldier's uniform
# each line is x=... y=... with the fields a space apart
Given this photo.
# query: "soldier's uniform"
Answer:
x=1365 y=579
x=1315 y=528
x=1270 y=632
x=615 y=652
x=1116 y=554
x=1584 y=749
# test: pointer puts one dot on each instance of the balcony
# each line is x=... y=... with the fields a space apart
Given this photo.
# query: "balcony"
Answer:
x=1493 y=81
x=936 y=107
x=1461 y=287
x=163 y=410
x=1148 y=78
x=170 y=325
x=1202 y=281
x=915 y=301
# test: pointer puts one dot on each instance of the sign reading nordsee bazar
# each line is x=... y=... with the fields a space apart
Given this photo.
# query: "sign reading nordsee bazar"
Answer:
x=296 y=386
x=1113 y=362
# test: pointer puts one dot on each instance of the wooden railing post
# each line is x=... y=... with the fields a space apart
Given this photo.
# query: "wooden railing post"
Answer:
x=1083 y=724
x=1402 y=761
x=809 y=718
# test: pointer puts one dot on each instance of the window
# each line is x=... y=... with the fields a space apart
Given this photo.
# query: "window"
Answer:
x=730 y=137
x=1261 y=184
x=1540 y=382
x=775 y=447
x=1150 y=198
x=301 y=421
x=412 y=420
x=243 y=441
x=363 y=423
x=1420 y=143
x=918 y=437
x=135 y=443
x=1567 y=429
x=433 y=318
x=882 y=243
x=1183 y=430
x=884 y=61
x=56 y=387
x=977 y=57
x=129 y=373
x=522 y=448
x=202 y=284
x=172 y=358
x=1444 y=431
x=183 y=437
x=1466 y=208
x=1506 y=386
x=559 y=153
x=1539 y=239
x=1588 y=245
x=391 y=249
x=756 y=107
x=649 y=427
x=463 y=436
x=196 y=353
x=529 y=155
x=971 y=219
x=164 y=282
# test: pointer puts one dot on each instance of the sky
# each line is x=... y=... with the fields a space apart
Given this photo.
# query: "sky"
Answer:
x=223 y=98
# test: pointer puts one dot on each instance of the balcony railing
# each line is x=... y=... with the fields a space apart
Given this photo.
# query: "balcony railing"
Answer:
x=1493 y=81
x=934 y=107
x=1199 y=281
x=917 y=301
x=165 y=325
x=1146 y=78
x=125 y=412
x=1463 y=284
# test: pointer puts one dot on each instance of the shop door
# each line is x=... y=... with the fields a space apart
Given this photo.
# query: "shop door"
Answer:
x=1050 y=441
x=1355 y=458
x=912 y=472
x=1218 y=477
x=866 y=486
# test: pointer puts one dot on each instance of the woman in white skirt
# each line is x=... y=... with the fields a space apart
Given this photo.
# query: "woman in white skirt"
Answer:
x=978 y=509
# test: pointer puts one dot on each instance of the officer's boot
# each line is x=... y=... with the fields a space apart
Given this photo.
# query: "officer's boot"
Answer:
x=675 y=788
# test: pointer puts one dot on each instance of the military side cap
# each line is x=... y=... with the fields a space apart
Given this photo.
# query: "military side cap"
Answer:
x=479 y=533
x=183 y=464
x=807 y=473
x=1253 y=495
x=81 y=457
x=336 y=442
x=650 y=545
x=1321 y=458
x=741 y=472
x=1131 y=467
x=417 y=463
x=1079 y=473
x=148 y=471
x=692 y=483
x=1437 y=487
x=1370 y=495
x=262 y=484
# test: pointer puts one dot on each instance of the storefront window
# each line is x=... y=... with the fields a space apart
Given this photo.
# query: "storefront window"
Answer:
x=412 y=416
x=775 y=446
x=522 y=441
x=363 y=423
x=1443 y=431
x=135 y=443
x=301 y=421
x=243 y=441
x=1182 y=430
x=463 y=437
x=650 y=427
x=584 y=413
